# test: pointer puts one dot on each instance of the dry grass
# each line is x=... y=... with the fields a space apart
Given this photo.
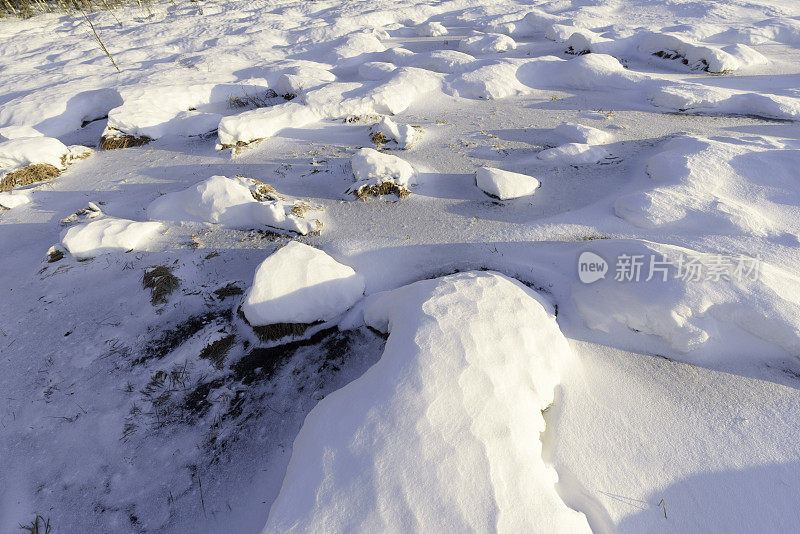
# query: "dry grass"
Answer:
x=229 y=290
x=217 y=350
x=29 y=8
x=161 y=283
x=378 y=139
x=381 y=189
x=261 y=100
x=265 y=192
x=54 y=255
x=39 y=525
x=28 y=175
x=121 y=140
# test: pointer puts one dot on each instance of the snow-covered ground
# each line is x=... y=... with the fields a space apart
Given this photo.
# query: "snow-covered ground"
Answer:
x=402 y=266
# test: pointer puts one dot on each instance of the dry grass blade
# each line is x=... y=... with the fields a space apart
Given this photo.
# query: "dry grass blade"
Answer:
x=28 y=175
x=99 y=41
x=161 y=283
x=39 y=525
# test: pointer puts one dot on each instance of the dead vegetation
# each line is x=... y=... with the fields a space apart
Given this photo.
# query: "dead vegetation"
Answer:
x=216 y=351
x=378 y=139
x=31 y=174
x=161 y=283
x=116 y=141
x=258 y=100
x=29 y=8
x=378 y=190
x=264 y=191
x=229 y=290
x=39 y=525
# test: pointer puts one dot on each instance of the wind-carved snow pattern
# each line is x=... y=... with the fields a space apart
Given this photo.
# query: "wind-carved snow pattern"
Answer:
x=442 y=434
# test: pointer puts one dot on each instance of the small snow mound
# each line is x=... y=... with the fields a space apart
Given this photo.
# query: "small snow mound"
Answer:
x=504 y=184
x=374 y=169
x=698 y=57
x=231 y=202
x=402 y=136
x=261 y=123
x=471 y=361
x=573 y=154
x=492 y=82
x=579 y=133
x=356 y=45
x=24 y=151
x=487 y=43
x=444 y=61
x=300 y=284
x=108 y=234
x=431 y=29
x=376 y=70
x=12 y=199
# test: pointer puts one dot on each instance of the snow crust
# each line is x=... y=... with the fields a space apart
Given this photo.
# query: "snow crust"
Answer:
x=300 y=284
x=388 y=451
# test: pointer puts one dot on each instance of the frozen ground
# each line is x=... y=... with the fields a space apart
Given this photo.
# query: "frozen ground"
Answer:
x=139 y=395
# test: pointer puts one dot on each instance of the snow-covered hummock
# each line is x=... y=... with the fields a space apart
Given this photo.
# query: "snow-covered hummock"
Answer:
x=12 y=199
x=264 y=122
x=300 y=284
x=698 y=57
x=733 y=186
x=401 y=136
x=487 y=43
x=108 y=234
x=371 y=167
x=580 y=133
x=175 y=110
x=685 y=96
x=445 y=61
x=24 y=151
x=505 y=184
x=431 y=29
x=490 y=81
x=573 y=154
x=228 y=202
x=443 y=433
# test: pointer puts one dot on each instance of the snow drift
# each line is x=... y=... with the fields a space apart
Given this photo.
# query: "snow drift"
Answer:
x=442 y=434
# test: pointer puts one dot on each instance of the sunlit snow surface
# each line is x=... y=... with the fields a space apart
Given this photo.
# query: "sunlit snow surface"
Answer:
x=662 y=399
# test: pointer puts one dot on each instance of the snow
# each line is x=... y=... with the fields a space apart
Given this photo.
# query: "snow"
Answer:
x=23 y=151
x=229 y=202
x=300 y=284
x=580 y=133
x=573 y=154
x=14 y=198
x=264 y=122
x=431 y=29
x=391 y=447
x=108 y=234
x=402 y=136
x=666 y=128
x=504 y=184
x=482 y=44
x=371 y=167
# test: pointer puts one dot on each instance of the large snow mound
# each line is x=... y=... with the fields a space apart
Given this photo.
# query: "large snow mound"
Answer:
x=505 y=184
x=300 y=284
x=230 y=202
x=730 y=185
x=108 y=234
x=443 y=433
x=264 y=122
